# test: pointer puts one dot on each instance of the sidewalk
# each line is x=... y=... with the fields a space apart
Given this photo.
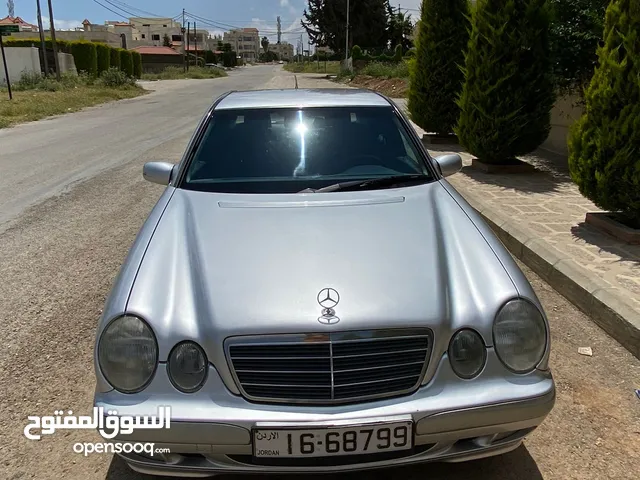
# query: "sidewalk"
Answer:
x=540 y=218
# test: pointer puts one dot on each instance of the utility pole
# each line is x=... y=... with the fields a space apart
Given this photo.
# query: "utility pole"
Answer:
x=346 y=48
x=184 y=45
x=195 y=40
x=53 y=42
x=43 y=44
x=188 y=35
x=279 y=30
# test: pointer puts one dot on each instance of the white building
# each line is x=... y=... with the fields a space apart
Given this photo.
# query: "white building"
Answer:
x=246 y=43
x=284 y=50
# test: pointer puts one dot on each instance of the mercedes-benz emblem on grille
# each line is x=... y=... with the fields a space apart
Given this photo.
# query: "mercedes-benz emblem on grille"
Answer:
x=328 y=298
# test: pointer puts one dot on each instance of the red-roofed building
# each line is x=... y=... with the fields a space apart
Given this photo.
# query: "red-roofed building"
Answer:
x=156 y=59
x=22 y=25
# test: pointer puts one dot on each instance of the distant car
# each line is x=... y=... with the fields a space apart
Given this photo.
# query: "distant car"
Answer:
x=280 y=62
x=311 y=295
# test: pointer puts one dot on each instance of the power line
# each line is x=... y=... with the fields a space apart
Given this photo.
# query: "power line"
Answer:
x=215 y=24
x=138 y=9
x=120 y=15
x=119 y=8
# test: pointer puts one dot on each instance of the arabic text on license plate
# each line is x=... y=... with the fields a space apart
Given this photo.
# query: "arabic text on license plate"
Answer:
x=323 y=442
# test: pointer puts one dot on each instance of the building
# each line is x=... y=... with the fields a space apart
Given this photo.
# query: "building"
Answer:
x=22 y=25
x=246 y=43
x=284 y=50
x=156 y=59
x=153 y=30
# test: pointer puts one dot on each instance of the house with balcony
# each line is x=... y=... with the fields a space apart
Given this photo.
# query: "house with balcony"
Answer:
x=245 y=42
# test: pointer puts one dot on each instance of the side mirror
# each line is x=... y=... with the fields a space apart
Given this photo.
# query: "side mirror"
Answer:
x=157 y=172
x=449 y=164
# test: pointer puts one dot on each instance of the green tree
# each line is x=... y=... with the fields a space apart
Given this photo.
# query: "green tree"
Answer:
x=576 y=31
x=604 y=145
x=126 y=62
x=166 y=41
x=325 y=21
x=136 y=58
x=508 y=91
x=400 y=28
x=115 y=57
x=103 y=52
x=210 y=57
x=436 y=80
x=85 y=56
x=265 y=44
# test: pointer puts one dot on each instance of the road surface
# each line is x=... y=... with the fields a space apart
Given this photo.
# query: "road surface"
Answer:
x=60 y=256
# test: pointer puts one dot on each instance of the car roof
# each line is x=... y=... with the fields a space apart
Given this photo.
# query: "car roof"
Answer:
x=301 y=98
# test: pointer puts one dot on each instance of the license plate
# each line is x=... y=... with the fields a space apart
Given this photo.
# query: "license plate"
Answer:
x=354 y=439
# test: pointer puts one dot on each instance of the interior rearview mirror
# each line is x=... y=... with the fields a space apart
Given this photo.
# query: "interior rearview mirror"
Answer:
x=157 y=172
x=449 y=164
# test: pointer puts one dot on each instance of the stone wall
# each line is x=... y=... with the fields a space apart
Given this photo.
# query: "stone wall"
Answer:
x=565 y=111
x=19 y=61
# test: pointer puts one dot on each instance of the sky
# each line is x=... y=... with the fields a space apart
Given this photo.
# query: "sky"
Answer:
x=214 y=15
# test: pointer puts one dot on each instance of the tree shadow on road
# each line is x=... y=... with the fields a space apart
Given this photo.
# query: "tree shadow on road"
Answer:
x=516 y=465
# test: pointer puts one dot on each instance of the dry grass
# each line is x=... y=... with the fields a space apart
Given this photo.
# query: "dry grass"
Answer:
x=30 y=105
x=177 y=73
x=313 y=67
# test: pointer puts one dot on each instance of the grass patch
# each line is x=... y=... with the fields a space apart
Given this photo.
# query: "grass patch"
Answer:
x=36 y=97
x=177 y=73
x=386 y=70
x=314 y=67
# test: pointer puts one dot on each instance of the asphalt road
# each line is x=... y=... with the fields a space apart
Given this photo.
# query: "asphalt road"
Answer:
x=59 y=258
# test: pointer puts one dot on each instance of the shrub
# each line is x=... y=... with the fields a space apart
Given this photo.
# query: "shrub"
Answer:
x=604 y=143
x=508 y=92
x=576 y=30
x=85 y=56
x=210 y=57
x=438 y=78
x=28 y=81
x=356 y=53
x=116 y=78
x=104 y=57
x=136 y=57
x=115 y=58
x=397 y=53
x=126 y=62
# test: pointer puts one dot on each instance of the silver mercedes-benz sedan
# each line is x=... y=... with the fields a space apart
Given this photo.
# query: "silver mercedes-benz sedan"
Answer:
x=310 y=295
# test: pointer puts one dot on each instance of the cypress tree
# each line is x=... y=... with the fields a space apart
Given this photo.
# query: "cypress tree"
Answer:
x=436 y=80
x=506 y=101
x=604 y=145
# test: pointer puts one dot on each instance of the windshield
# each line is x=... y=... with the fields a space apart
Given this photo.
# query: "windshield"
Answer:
x=287 y=150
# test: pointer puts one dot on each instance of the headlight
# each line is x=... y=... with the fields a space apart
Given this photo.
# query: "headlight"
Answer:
x=187 y=367
x=467 y=353
x=128 y=354
x=520 y=335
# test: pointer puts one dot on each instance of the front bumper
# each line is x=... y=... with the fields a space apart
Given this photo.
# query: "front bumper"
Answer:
x=454 y=420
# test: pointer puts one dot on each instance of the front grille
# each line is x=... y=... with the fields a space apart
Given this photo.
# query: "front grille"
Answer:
x=329 y=368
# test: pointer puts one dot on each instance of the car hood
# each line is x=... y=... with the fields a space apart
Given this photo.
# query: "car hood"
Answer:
x=220 y=265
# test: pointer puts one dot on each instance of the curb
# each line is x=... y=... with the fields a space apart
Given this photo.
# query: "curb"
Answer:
x=607 y=308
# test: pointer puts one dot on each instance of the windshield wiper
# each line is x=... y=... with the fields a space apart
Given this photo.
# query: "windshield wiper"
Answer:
x=382 y=182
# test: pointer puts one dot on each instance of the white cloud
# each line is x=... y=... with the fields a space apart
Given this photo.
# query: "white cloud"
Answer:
x=286 y=4
x=59 y=24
